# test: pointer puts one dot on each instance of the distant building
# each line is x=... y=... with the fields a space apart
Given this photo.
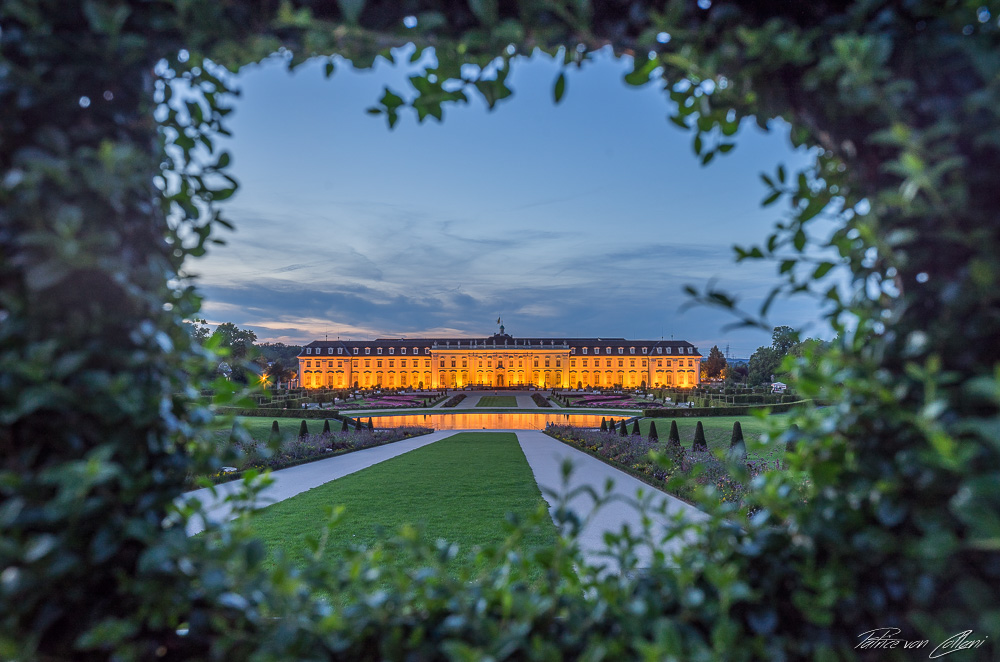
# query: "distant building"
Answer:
x=497 y=361
x=778 y=387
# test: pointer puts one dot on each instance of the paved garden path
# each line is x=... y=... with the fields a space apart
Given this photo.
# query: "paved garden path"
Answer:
x=295 y=480
x=545 y=455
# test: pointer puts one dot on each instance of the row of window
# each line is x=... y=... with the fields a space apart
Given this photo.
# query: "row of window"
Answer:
x=368 y=350
x=489 y=363
x=402 y=350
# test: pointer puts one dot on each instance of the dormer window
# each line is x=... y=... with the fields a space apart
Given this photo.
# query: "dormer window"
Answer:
x=607 y=350
x=402 y=350
x=390 y=350
x=631 y=350
x=329 y=350
x=355 y=350
x=427 y=350
x=368 y=350
x=668 y=350
x=659 y=350
x=309 y=350
x=379 y=350
x=643 y=350
x=572 y=350
x=690 y=350
x=584 y=350
x=340 y=350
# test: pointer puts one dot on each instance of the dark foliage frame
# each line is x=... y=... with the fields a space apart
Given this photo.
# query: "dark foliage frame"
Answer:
x=105 y=191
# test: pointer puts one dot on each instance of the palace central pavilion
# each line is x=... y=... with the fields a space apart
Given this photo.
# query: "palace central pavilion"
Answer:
x=499 y=360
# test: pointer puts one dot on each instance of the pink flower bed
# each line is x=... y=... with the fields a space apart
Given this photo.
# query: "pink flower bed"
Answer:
x=389 y=402
x=613 y=401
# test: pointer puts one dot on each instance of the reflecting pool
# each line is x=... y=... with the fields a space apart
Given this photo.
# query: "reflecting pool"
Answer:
x=489 y=421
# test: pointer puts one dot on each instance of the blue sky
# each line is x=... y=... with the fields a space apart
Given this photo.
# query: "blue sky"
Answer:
x=585 y=218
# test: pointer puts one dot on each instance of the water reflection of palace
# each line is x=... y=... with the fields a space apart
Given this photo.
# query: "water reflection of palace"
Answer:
x=488 y=421
x=499 y=360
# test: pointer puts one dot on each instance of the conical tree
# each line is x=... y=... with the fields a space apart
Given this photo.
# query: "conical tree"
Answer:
x=699 y=439
x=635 y=428
x=604 y=424
x=343 y=426
x=326 y=426
x=612 y=425
x=357 y=424
x=303 y=429
x=371 y=427
x=674 y=437
x=737 y=446
x=623 y=429
x=737 y=435
x=652 y=436
x=793 y=438
x=275 y=436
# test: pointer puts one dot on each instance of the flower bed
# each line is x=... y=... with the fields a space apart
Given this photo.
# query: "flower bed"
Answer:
x=540 y=400
x=254 y=454
x=682 y=472
x=392 y=401
x=608 y=402
x=454 y=400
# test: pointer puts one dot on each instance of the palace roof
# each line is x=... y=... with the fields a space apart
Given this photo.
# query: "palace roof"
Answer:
x=502 y=341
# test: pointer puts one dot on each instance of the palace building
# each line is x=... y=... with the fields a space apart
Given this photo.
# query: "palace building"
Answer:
x=499 y=360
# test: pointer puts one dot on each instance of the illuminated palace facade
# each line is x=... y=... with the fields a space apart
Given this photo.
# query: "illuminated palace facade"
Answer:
x=499 y=360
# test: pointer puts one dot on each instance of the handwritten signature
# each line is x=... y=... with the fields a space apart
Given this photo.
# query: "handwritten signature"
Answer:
x=887 y=639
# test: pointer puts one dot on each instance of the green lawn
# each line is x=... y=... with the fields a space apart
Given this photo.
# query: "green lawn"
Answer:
x=459 y=489
x=497 y=401
x=259 y=427
x=718 y=429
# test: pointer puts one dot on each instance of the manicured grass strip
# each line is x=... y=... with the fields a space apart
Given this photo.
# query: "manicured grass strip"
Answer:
x=718 y=429
x=459 y=489
x=497 y=401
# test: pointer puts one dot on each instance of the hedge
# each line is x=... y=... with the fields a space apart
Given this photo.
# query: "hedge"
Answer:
x=686 y=412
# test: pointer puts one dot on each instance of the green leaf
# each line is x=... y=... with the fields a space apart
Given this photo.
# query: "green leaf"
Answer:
x=822 y=270
x=560 y=88
x=781 y=174
x=328 y=68
x=771 y=199
x=799 y=240
x=678 y=120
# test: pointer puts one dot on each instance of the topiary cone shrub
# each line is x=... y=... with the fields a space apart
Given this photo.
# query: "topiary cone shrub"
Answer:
x=699 y=439
x=652 y=436
x=674 y=436
x=326 y=426
x=357 y=424
x=612 y=426
x=737 y=435
x=275 y=437
x=371 y=426
x=343 y=425
x=303 y=429
x=623 y=429
x=635 y=428
x=604 y=424
x=737 y=446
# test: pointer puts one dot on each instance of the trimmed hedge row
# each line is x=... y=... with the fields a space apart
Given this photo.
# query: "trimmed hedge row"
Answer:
x=454 y=400
x=280 y=413
x=683 y=412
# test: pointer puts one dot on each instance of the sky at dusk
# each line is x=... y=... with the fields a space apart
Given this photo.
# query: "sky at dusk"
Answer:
x=580 y=219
